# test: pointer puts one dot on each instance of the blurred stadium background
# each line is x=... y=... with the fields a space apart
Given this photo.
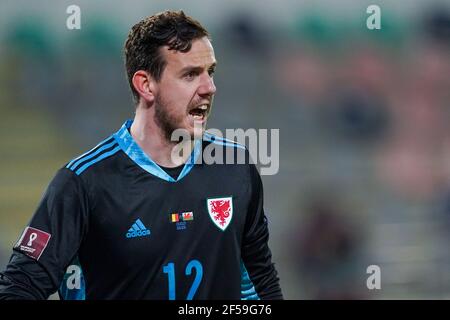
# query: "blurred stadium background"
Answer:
x=363 y=118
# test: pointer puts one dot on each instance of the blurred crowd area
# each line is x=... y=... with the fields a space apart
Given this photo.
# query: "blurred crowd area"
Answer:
x=363 y=118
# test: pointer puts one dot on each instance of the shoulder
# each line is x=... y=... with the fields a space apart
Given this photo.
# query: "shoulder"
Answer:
x=104 y=150
x=223 y=151
x=233 y=152
x=236 y=156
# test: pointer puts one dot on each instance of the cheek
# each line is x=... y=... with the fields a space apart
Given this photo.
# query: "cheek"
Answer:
x=181 y=103
x=177 y=95
x=183 y=90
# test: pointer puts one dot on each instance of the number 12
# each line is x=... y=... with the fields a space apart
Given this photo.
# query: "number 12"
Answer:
x=170 y=270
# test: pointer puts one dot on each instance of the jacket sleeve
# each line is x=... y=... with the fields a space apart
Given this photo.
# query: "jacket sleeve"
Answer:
x=256 y=254
x=49 y=242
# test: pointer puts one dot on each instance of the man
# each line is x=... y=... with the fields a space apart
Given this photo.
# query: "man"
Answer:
x=126 y=221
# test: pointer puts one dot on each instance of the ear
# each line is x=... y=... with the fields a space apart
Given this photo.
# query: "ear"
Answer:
x=144 y=84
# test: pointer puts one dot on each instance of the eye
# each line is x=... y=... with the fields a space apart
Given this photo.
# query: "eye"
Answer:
x=191 y=75
x=211 y=72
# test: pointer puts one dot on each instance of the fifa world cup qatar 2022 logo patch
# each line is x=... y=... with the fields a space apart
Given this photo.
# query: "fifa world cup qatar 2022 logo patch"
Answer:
x=33 y=242
x=220 y=211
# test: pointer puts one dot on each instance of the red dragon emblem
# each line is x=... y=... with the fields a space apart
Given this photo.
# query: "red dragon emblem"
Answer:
x=221 y=211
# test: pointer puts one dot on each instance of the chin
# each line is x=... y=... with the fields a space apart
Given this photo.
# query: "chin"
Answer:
x=197 y=131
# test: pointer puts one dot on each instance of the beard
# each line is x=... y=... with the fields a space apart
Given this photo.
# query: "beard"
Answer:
x=168 y=122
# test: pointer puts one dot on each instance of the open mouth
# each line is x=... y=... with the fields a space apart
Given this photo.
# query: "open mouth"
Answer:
x=199 y=113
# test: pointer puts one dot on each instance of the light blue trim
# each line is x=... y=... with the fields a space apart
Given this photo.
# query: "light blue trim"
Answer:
x=101 y=157
x=248 y=291
x=221 y=141
x=106 y=146
x=192 y=159
x=79 y=157
x=132 y=149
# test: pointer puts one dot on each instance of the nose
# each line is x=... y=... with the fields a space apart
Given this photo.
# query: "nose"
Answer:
x=207 y=86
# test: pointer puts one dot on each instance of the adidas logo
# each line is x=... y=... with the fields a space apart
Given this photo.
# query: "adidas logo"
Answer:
x=138 y=230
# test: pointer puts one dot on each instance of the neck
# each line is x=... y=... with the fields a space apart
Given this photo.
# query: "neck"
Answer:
x=147 y=134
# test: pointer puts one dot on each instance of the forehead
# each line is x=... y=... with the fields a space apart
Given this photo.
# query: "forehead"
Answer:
x=201 y=54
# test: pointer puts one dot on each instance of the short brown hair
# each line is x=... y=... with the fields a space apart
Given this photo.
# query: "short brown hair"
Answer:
x=142 y=47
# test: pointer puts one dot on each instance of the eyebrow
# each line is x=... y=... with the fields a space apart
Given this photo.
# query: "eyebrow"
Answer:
x=197 y=68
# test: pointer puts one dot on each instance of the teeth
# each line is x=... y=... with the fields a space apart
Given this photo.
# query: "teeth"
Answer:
x=203 y=107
